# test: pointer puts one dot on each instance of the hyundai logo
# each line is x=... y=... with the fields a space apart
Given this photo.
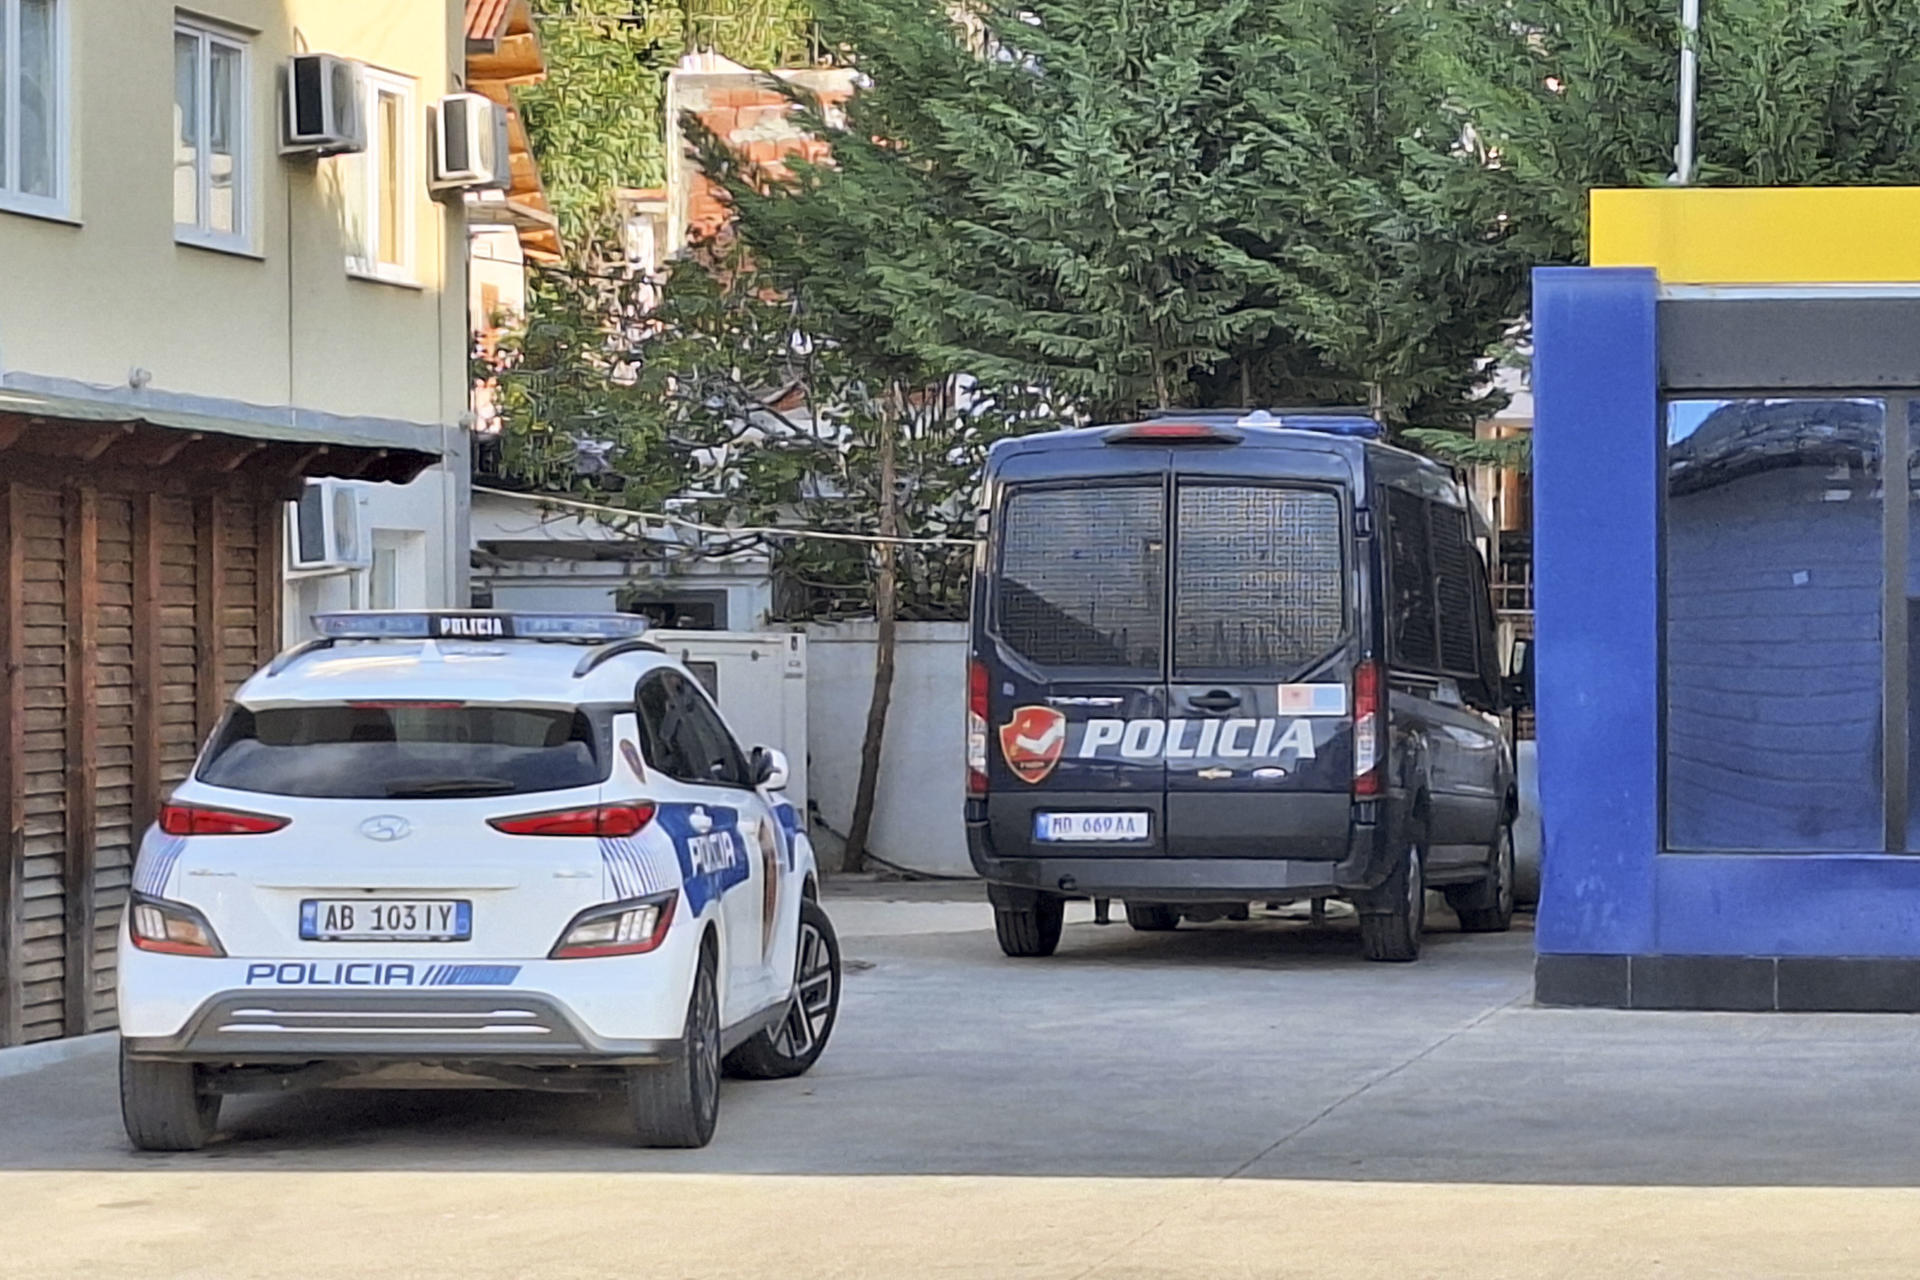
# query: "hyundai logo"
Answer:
x=386 y=828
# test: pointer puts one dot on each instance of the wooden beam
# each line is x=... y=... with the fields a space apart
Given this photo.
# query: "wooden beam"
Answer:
x=146 y=660
x=299 y=465
x=11 y=429
x=98 y=449
x=13 y=761
x=209 y=614
x=83 y=748
x=270 y=525
x=240 y=455
x=173 y=450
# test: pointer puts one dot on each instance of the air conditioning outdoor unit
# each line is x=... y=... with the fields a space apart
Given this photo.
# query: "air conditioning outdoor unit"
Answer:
x=328 y=528
x=323 y=96
x=470 y=151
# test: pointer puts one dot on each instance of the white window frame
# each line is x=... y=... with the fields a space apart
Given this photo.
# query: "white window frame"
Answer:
x=199 y=234
x=371 y=267
x=13 y=200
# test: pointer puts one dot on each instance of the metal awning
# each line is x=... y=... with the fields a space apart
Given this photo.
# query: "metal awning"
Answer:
x=113 y=432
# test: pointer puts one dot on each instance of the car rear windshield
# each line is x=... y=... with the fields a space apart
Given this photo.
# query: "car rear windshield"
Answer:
x=401 y=751
x=1082 y=576
x=1260 y=580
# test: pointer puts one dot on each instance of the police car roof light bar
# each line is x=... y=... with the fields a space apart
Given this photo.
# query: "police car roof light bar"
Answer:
x=468 y=624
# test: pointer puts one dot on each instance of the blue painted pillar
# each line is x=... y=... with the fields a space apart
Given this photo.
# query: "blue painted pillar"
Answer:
x=1596 y=476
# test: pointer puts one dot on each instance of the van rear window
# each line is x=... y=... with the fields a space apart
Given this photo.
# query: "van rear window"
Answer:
x=1082 y=576
x=1260 y=584
x=412 y=751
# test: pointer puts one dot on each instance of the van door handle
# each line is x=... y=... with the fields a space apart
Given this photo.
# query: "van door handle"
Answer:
x=1214 y=700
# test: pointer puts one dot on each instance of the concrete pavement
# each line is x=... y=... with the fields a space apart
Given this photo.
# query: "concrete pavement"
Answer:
x=1229 y=1100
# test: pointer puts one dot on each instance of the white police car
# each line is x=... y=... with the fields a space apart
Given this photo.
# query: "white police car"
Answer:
x=476 y=847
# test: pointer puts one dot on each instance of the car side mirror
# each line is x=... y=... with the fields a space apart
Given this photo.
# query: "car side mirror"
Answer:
x=770 y=768
x=1519 y=681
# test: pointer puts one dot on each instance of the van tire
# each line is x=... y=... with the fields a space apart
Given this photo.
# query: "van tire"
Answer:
x=677 y=1104
x=1393 y=933
x=1152 y=917
x=166 y=1106
x=1026 y=921
x=1487 y=907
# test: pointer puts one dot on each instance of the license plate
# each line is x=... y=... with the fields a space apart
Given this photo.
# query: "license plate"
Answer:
x=385 y=920
x=1093 y=827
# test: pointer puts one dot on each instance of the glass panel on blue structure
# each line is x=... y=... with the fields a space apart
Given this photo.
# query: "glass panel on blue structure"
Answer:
x=1774 y=584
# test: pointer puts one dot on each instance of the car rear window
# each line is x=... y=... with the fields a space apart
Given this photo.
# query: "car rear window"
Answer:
x=1260 y=584
x=1082 y=576
x=388 y=751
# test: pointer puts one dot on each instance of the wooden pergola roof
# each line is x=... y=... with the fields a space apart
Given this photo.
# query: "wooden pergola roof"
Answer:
x=503 y=50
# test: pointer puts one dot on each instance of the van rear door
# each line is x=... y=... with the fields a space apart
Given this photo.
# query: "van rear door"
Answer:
x=1073 y=650
x=1259 y=731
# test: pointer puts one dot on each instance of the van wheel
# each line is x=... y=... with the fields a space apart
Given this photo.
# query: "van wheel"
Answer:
x=1027 y=921
x=166 y=1106
x=1152 y=917
x=1487 y=907
x=1393 y=933
x=792 y=1045
x=677 y=1104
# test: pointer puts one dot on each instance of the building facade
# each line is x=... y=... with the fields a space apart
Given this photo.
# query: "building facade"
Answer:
x=195 y=324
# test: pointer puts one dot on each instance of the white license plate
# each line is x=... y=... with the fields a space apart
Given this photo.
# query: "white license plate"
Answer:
x=386 y=920
x=1092 y=827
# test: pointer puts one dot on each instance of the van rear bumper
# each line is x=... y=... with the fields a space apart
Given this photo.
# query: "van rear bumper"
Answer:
x=1172 y=879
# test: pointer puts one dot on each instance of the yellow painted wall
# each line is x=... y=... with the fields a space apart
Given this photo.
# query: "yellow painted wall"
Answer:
x=1761 y=235
x=110 y=290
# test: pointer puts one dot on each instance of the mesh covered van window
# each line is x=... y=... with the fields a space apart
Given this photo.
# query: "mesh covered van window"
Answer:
x=1259 y=580
x=1082 y=575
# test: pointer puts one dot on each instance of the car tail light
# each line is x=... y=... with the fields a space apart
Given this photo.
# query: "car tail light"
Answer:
x=172 y=928
x=596 y=820
x=977 y=729
x=195 y=820
x=628 y=928
x=1172 y=433
x=1367 y=729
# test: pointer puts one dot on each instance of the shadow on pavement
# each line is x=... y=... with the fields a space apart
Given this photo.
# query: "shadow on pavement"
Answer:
x=1265 y=1050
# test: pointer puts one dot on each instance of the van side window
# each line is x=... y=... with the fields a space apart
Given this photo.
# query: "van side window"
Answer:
x=1453 y=558
x=1411 y=629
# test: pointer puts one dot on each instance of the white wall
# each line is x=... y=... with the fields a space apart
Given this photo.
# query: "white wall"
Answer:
x=917 y=820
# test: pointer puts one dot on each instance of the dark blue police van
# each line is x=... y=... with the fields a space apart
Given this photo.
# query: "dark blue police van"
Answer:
x=1222 y=659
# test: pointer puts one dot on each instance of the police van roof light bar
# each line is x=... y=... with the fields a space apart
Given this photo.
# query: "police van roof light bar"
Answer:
x=1173 y=433
x=468 y=624
x=1338 y=420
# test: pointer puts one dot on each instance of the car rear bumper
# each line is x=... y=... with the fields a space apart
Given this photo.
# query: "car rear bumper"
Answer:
x=1177 y=879
x=269 y=1026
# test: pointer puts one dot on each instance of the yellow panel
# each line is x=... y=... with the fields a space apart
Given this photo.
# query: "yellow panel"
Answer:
x=1761 y=235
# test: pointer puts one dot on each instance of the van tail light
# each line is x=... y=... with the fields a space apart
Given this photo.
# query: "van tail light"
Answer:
x=597 y=820
x=171 y=928
x=976 y=729
x=194 y=820
x=628 y=928
x=1367 y=730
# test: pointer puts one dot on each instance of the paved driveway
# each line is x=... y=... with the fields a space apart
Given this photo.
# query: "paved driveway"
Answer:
x=1235 y=1099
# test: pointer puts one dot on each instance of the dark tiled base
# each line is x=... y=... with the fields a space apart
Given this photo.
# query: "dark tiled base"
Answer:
x=1803 y=984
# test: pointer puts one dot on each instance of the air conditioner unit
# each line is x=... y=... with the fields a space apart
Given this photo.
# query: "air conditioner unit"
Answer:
x=328 y=528
x=323 y=97
x=470 y=151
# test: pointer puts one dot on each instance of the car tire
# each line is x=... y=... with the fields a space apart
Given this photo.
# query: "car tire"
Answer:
x=1487 y=907
x=1027 y=921
x=792 y=1045
x=166 y=1106
x=1152 y=917
x=1393 y=933
x=677 y=1104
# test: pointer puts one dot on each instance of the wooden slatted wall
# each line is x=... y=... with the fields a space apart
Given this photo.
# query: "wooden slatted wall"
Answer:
x=127 y=619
